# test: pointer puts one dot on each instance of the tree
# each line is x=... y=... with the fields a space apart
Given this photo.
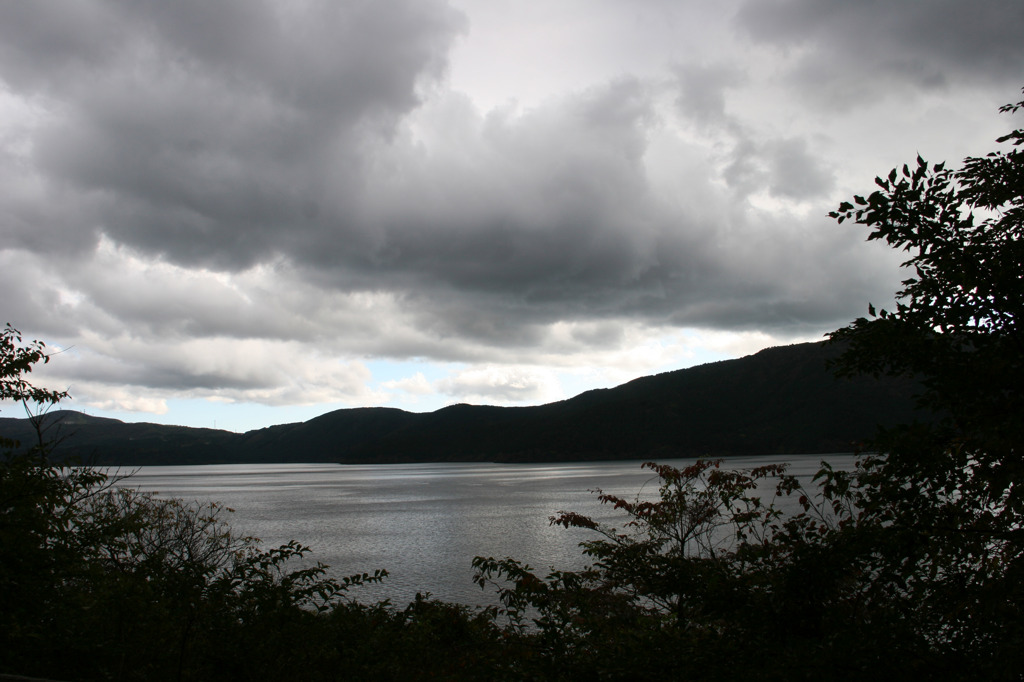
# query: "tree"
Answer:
x=16 y=361
x=98 y=581
x=957 y=320
x=38 y=524
x=667 y=586
x=947 y=499
x=913 y=563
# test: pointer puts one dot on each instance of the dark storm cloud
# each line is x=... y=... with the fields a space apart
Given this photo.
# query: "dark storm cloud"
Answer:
x=702 y=92
x=208 y=132
x=555 y=219
x=181 y=177
x=849 y=50
x=795 y=172
x=783 y=166
x=164 y=374
x=527 y=212
x=229 y=135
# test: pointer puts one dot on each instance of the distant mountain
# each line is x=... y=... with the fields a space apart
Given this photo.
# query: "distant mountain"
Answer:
x=779 y=401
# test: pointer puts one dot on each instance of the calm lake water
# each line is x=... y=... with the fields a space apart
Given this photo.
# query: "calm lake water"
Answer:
x=424 y=523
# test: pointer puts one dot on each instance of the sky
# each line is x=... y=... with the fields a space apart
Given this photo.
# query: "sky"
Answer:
x=242 y=213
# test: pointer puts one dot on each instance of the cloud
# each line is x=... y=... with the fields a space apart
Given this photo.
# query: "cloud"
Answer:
x=513 y=218
x=127 y=373
x=849 y=52
x=498 y=385
x=212 y=134
x=118 y=398
x=416 y=384
x=795 y=173
x=319 y=159
x=251 y=200
x=701 y=92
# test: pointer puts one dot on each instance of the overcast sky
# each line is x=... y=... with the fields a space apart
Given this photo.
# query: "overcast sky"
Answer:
x=249 y=212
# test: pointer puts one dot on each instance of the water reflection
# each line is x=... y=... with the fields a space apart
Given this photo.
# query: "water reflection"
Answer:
x=422 y=522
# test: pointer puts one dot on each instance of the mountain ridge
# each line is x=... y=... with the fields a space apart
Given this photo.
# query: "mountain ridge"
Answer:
x=781 y=400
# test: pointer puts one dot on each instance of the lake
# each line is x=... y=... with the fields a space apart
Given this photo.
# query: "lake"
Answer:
x=424 y=523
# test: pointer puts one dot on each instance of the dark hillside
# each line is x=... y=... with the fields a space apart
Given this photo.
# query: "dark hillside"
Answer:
x=327 y=438
x=101 y=441
x=779 y=401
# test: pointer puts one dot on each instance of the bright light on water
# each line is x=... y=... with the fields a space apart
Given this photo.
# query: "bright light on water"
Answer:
x=424 y=523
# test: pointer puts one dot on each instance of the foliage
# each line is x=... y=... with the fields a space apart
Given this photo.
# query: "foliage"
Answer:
x=16 y=361
x=910 y=565
x=101 y=581
x=949 y=494
x=155 y=585
x=705 y=576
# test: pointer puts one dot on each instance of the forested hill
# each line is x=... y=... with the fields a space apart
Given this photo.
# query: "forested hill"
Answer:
x=779 y=401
